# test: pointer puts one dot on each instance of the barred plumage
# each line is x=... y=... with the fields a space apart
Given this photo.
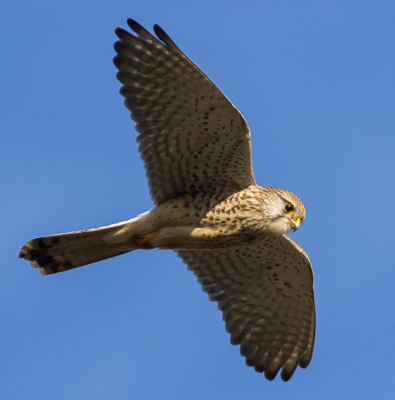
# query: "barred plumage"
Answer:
x=191 y=137
x=266 y=295
x=196 y=150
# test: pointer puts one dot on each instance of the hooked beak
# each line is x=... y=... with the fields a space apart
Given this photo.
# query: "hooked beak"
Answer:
x=295 y=223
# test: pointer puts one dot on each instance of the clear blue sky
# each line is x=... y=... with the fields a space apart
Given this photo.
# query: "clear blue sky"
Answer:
x=315 y=82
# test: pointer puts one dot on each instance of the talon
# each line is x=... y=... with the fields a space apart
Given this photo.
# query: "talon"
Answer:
x=142 y=241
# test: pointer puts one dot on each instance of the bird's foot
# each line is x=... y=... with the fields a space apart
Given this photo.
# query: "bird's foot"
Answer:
x=142 y=241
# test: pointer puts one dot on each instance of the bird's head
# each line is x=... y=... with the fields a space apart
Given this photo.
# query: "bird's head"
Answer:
x=284 y=210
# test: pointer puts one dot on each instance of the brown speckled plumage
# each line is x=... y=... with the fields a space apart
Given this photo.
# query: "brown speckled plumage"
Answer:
x=230 y=232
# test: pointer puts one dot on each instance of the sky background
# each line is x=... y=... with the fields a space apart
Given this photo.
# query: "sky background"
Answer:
x=315 y=82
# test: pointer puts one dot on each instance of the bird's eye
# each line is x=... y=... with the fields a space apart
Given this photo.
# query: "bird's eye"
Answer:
x=289 y=208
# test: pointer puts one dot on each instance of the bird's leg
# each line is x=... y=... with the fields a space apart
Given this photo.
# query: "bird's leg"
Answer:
x=142 y=241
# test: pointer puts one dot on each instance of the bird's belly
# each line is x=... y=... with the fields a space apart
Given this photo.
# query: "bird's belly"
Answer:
x=185 y=237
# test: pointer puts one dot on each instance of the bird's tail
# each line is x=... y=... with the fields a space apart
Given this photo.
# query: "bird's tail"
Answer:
x=57 y=253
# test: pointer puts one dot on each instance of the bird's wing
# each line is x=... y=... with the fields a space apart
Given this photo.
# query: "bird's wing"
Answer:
x=191 y=137
x=265 y=292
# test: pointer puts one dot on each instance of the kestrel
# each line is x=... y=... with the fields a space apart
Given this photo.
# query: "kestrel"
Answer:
x=230 y=232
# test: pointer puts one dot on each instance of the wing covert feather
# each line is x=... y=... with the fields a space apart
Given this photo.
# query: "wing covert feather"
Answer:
x=191 y=137
x=265 y=292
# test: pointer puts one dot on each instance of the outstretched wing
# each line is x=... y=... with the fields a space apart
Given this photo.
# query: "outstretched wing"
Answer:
x=191 y=137
x=265 y=292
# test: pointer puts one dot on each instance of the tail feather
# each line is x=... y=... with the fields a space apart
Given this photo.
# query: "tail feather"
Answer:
x=57 y=253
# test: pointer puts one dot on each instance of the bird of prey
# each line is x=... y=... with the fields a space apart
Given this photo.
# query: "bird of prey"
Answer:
x=230 y=232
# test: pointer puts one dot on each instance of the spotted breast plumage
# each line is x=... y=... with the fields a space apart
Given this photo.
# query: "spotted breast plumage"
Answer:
x=230 y=232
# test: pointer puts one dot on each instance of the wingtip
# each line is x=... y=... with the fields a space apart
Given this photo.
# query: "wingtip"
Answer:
x=159 y=31
x=270 y=375
x=139 y=29
x=120 y=32
x=134 y=25
x=288 y=370
x=285 y=376
x=305 y=361
x=164 y=37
